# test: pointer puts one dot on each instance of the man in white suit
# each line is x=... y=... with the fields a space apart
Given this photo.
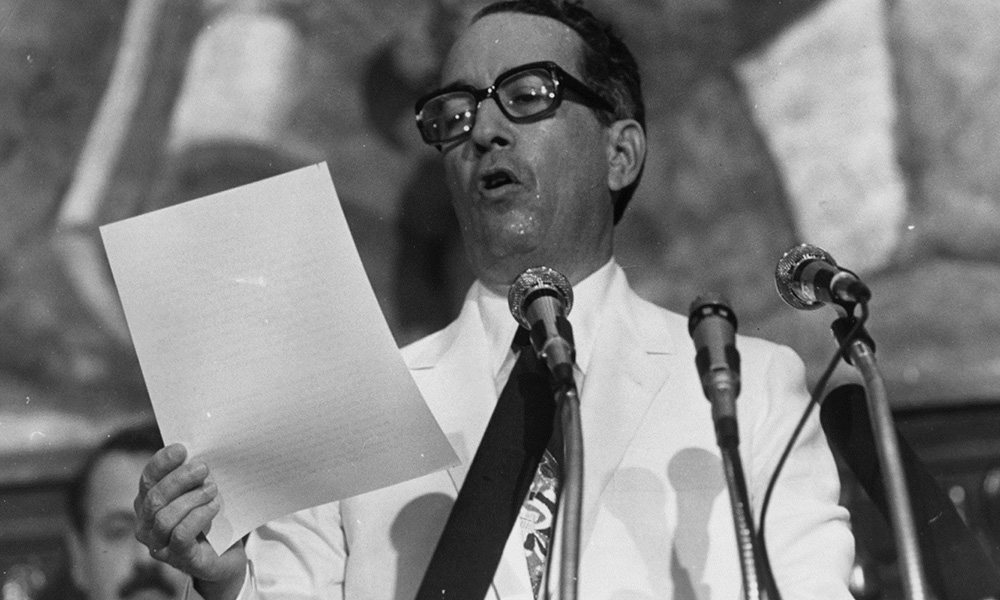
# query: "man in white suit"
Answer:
x=540 y=124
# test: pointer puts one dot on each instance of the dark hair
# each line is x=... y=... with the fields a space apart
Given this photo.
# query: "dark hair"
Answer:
x=607 y=65
x=139 y=439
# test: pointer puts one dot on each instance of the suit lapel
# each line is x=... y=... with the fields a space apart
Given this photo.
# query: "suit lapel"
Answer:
x=628 y=368
x=455 y=379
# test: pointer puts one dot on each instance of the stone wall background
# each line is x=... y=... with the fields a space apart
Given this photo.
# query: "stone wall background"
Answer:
x=867 y=127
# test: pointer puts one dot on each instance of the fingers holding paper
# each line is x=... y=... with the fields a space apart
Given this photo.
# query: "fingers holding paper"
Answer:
x=176 y=503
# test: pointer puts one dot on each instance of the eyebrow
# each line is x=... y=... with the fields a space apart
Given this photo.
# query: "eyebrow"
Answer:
x=458 y=83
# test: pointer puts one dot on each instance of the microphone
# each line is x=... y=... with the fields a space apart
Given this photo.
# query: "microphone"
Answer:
x=807 y=277
x=540 y=298
x=712 y=325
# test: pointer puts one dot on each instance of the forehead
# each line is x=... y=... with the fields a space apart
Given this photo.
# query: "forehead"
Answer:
x=114 y=482
x=501 y=41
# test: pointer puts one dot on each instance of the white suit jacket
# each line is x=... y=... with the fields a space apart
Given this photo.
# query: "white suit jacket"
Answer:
x=656 y=516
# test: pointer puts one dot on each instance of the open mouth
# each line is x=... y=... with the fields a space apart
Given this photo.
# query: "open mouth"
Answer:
x=496 y=179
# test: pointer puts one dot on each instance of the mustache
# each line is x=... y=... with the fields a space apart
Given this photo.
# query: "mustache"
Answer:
x=147 y=577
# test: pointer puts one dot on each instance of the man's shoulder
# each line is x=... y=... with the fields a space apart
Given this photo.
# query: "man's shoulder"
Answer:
x=649 y=320
x=646 y=310
x=651 y=315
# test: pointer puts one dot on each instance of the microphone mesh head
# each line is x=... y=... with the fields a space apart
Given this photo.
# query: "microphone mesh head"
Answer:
x=785 y=282
x=534 y=280
x=710 y=303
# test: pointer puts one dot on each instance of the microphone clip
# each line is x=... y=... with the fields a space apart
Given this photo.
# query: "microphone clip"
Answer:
x=846 y=327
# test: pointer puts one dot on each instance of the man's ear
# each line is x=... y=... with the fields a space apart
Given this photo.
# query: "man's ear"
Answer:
x=626 y=153
x=77 y=559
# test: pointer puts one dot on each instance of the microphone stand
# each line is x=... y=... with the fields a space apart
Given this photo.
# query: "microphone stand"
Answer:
x=743 y=521
x=758 y=582
x=712 y=325
x=861 y=353
x=961 y=568
x=571 y=498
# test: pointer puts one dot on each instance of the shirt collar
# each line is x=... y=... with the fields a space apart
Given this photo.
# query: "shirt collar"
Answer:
x=588 y=299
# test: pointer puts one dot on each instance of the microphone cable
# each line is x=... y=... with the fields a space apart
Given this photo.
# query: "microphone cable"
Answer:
x=814 y=400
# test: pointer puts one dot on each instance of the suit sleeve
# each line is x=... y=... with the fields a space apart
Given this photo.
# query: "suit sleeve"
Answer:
x=808 y=533
x=297 y=557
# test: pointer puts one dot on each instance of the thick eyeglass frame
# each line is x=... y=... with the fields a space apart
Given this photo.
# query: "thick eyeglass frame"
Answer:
x=559 y=78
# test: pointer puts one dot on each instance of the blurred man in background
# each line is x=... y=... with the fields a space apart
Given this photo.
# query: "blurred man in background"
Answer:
x=106 y=560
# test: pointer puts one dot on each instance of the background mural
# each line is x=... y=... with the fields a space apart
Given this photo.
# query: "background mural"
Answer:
x=867 y=127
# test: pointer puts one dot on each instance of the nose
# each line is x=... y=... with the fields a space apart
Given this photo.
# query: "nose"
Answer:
x=492 y=129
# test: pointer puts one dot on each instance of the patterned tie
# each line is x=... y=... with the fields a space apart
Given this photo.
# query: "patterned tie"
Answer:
x=499 y=479
x=538 y=516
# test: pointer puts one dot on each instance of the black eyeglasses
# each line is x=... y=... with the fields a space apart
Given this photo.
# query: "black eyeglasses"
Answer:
x=526 y=93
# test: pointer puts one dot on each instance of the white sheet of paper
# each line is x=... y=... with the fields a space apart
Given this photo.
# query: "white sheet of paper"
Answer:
x=265 y=352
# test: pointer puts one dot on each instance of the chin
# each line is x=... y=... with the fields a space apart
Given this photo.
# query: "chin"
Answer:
x=503 y=271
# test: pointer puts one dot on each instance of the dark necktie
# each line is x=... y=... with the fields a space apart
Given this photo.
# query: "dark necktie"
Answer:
x=501 y=473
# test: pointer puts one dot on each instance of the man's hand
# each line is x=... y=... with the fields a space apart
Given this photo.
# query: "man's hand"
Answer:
x=175 y=506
